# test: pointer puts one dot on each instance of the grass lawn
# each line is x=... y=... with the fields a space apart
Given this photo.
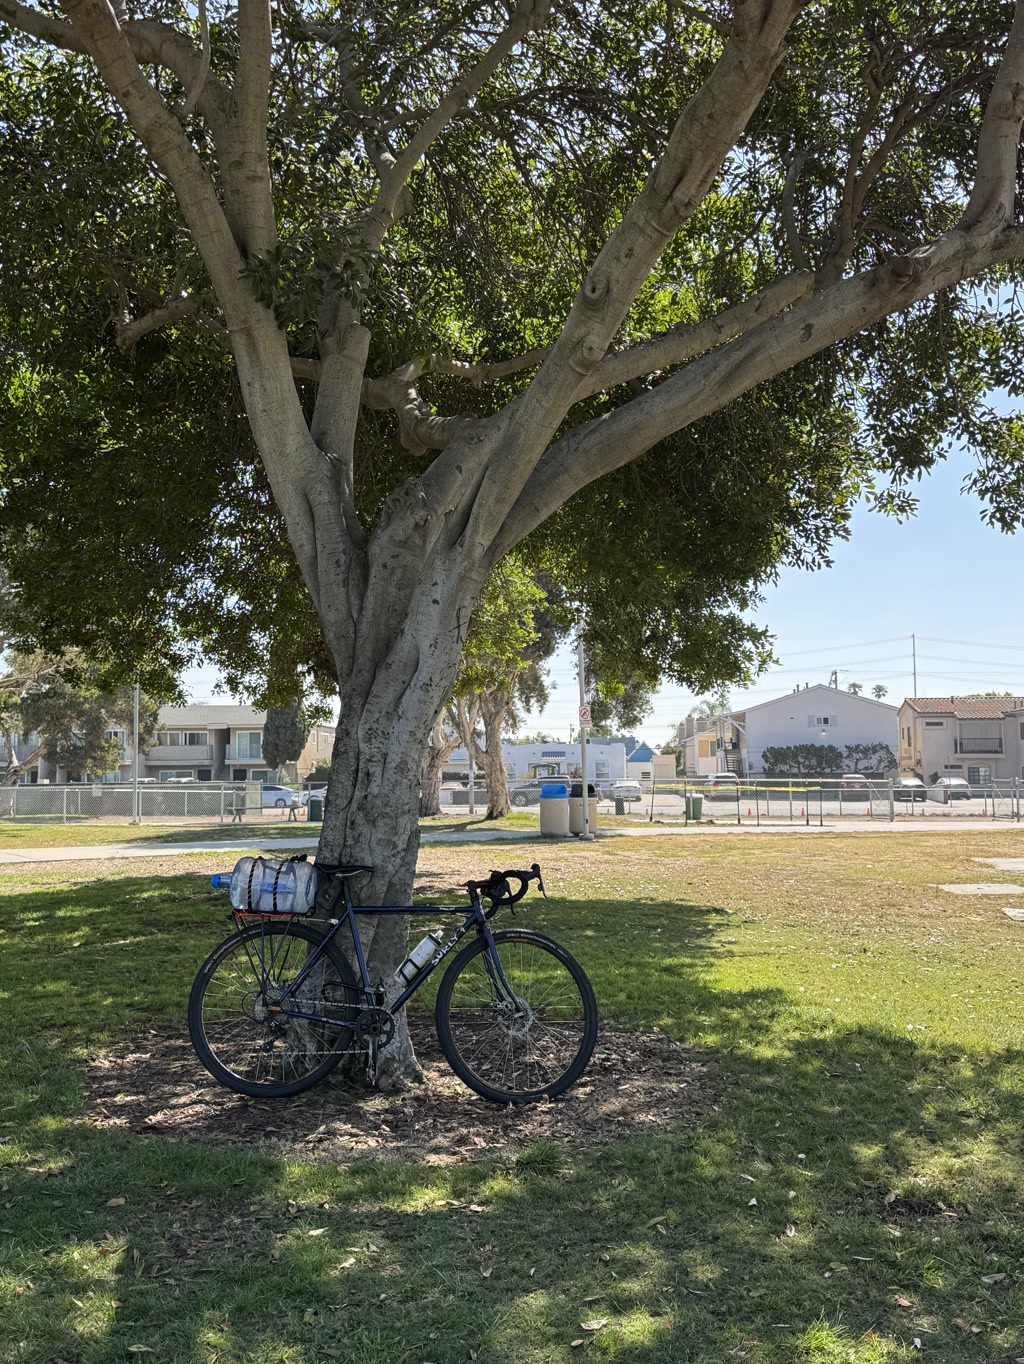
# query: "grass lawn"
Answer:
x=859 y=1188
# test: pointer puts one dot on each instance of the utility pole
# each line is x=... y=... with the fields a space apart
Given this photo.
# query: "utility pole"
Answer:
x=136 y=818
x=581 y=666
x=913 y=646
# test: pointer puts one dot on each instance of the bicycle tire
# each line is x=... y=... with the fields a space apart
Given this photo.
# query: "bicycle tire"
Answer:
x=483 y=1030
x=235 y=1034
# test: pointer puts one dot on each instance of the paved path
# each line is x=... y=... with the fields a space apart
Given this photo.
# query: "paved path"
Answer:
x=97 y=852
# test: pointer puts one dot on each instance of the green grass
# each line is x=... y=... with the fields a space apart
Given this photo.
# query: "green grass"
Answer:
x=88 y=834
x=867 y=1029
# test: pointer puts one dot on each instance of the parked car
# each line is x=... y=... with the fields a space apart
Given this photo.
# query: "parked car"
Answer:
x=853 y=781
x=320 y=792
x=723 y=779
x=957 y=788
x=909 y=788
x=622 y=789
x=279 y=797
x=528 y=792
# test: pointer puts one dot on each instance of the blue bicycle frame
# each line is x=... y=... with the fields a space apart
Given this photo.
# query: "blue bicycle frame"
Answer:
x=374 y=995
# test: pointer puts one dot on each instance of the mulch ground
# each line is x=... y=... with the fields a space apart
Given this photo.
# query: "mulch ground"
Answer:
x=636 y=1083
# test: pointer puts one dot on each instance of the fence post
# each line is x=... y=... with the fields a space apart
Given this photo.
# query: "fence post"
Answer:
x=738 y=818
x=222 y=803
x=64 y=804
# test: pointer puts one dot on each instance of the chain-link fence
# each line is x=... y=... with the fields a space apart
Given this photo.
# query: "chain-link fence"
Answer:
x=202 y=802
x=767 y=800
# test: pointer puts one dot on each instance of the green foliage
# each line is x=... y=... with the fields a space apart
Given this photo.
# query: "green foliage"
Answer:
x=802 y=759
x=72 y=712
x=284 y=735
x=869 y=758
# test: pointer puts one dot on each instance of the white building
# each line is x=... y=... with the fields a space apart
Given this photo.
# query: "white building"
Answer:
x=813 y=715
x=605 y=762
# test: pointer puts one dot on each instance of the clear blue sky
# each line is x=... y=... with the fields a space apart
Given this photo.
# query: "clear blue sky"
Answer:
x=943 y=575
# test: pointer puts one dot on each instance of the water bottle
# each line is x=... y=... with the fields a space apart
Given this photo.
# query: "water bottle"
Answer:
x=418 y=958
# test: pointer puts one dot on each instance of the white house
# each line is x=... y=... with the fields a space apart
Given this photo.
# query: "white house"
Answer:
x=813 y=715
x=605 y=762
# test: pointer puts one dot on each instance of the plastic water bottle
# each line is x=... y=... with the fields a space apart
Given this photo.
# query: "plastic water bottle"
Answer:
x=268 y=886
x=418 y=958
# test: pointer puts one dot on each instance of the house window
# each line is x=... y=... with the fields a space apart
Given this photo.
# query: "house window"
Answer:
x=110 y=778
x=552 y=753
x=979 y=776
x=822 y=721
x=169 y=738
x=601 y=770
x=952 y=767
x=117 y=735
x=261 y=774
x=249 y=744
x=178 y=772
x=197 y=738
x=935 y=724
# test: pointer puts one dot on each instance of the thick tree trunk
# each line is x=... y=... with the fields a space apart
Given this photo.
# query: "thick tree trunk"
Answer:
x=494 y=708
x=440 y=748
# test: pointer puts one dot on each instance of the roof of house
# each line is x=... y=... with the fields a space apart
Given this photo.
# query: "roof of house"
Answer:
x=643 y=753
x=204 y=715
x=966 y=707
x=822 y=687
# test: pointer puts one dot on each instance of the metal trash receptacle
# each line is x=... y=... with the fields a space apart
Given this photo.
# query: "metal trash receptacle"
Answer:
x=576 y=807
x=554 y=810
x=315 y=810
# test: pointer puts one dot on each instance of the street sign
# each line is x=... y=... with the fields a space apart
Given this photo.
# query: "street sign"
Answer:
x=584 y=715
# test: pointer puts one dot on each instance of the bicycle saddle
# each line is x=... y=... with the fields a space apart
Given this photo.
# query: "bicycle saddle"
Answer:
x=344 y=869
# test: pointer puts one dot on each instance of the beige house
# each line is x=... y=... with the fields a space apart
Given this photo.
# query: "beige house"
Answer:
x=711 y=745
x=222 y=743
x=979 y=738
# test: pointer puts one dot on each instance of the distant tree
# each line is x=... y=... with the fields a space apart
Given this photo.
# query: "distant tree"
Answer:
x=802 y=759
x=869 y=758
x=855 y=687
x=284 y=735
x=708 y=707
x=444 y=740
x=878 y=691
x=72 y=713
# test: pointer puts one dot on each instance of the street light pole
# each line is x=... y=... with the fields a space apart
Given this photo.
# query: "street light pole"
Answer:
x=581 y=665
x=135 y=761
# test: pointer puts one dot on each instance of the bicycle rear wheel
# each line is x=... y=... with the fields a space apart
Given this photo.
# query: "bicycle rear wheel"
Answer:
x=237 y=1014
x=517 y=1052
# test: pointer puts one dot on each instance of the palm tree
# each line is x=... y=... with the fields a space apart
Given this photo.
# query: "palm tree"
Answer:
x=855 y=687
x=708 y=707
x=878 y=691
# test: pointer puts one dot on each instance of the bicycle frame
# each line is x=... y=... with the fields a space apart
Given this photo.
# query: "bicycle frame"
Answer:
x=477 y=917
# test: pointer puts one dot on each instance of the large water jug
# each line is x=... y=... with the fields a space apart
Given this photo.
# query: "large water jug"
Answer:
x=265 y=885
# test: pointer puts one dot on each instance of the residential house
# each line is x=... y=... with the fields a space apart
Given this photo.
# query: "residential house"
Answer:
x=202 y=742
x=605 y=761
x=647 y=766
x=809 y=715
x=710 y=744
x=223 y=743
x=979 y=738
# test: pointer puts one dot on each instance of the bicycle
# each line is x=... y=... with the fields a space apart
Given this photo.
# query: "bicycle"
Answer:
x=276 y=1006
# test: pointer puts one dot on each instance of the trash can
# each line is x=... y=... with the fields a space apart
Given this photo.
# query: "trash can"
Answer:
x=554 y=810
x=315 y=810
x=576 y=807
x=694 y=807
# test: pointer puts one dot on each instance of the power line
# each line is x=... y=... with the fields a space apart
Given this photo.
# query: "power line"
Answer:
x=970 y=644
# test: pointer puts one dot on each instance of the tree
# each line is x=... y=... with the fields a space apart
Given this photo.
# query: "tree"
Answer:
x=284 y=735
x=731 y=216
x=73 y=714
x=878 y=691
x=869 y=758
x=855 y=687
x=710 y=707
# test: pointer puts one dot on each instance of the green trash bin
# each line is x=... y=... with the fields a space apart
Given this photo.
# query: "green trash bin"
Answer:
x=694 y=806
x=315 y=810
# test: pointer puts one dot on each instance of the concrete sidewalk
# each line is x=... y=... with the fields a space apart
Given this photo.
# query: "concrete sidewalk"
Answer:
x=99 y=852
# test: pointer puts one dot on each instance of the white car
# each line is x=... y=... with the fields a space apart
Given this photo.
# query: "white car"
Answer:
x=279 y=798
x=956 y=786
x=317 y=793
x=623 y=790
x=723 y=779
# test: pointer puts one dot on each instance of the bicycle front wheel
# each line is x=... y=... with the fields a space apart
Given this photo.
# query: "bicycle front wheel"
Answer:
x=241 y=1010
x=520 y=1049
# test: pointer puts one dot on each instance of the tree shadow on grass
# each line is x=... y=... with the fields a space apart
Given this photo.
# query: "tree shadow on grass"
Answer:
x=854 y=1192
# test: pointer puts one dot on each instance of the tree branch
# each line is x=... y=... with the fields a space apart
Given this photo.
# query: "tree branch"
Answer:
x=992 y=198
x=37 y=25
x=131 y=330
x=192 y=97
x=718 y=378
x=248 y=168
x=526 y=16
x=797 y=253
